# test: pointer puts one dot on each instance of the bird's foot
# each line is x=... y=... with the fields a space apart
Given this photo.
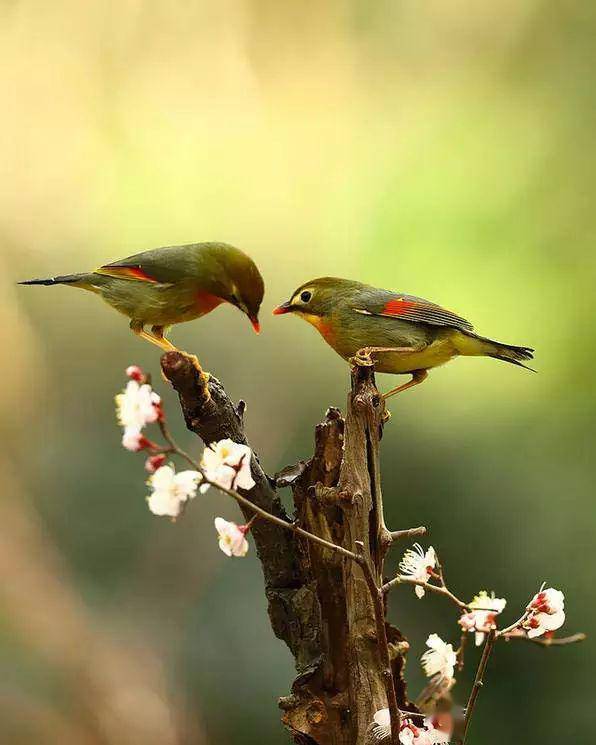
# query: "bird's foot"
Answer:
x=363 y=357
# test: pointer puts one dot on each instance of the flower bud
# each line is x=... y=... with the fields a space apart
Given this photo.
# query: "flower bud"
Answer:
x=134 y=372
x=154 y=462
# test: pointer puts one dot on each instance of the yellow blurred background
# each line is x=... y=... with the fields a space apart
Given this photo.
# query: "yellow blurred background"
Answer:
x=445 y=149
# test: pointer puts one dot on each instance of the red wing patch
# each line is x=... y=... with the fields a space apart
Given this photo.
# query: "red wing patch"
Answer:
x=398 y=307
x=126 y=272
x=420 y=311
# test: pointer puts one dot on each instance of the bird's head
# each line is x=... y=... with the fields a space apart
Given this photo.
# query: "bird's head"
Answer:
x=234 y=277
x=315 y=300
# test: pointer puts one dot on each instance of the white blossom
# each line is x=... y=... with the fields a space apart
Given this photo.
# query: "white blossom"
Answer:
x=170 y=490
x=482 y=618
x=133 y=439
x=137 y=406
x=427 y=732
x=546 y=612
x=227 y=464
x=232 y=537
x=439 y=660
x=418 y=565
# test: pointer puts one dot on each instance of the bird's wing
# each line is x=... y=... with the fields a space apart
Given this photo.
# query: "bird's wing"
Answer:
x=126 y=272
x=157 y=266
x=416 y=309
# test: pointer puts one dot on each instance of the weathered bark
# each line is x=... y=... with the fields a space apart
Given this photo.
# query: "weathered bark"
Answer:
x=319 y=601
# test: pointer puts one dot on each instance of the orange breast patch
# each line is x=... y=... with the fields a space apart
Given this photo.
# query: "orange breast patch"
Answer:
x=206 y=302
x=325 y=328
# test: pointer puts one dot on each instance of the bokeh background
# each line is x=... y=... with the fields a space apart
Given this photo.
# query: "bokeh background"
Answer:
x=444 y=149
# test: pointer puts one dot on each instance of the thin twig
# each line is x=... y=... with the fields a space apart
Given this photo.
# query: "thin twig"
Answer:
x=439 y=573
x=461 y=651
x=175 y=448
x=550 y=641
x=516 y=625
x=478 y=682
x=439 y=590
x=382 y=642
x=412 y=714
x=398 y=535
x=278 y=521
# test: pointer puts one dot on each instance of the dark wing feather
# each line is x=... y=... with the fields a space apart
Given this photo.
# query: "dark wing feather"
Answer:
x=418 y=310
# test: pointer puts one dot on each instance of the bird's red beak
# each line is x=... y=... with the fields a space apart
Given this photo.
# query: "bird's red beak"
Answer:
x=255 y=324
x=281 y=309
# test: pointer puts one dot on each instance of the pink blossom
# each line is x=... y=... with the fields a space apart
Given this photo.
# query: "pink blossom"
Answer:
x=439 y=727
x=134 y=372
x=428 y=731
x=482 y=616
x=545 y=613
x=134 y=440
x=154 y=462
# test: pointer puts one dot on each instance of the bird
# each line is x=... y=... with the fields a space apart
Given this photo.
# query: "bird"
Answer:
x=398 y=333
x=173 y=284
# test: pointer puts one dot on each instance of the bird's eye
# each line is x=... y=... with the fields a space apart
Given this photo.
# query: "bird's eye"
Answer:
x=305 y=296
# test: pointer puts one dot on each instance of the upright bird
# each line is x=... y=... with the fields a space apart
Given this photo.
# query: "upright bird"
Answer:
x=400 y=333
x=170 y=285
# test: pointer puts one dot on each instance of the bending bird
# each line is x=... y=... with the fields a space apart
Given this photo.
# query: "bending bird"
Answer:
x=174 y=284
x=400 y=334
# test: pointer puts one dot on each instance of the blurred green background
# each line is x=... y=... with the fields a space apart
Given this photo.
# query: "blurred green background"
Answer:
x=445 y=149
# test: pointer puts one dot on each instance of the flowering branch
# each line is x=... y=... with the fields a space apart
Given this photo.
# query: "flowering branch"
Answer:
x=437 y=589
x=314 y=597
x=173 y=446
x=507 y=634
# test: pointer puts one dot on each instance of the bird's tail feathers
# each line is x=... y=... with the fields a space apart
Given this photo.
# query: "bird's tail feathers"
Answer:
x=65 y=279
x=471 y=344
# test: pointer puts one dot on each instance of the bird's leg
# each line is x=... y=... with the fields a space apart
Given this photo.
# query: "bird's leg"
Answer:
x=364 y=358
x=137 y=328
x=160 y=334
x=418 y=376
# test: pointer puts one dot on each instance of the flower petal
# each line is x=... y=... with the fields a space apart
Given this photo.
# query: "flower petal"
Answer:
x=162 y=479
x=163 y=503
